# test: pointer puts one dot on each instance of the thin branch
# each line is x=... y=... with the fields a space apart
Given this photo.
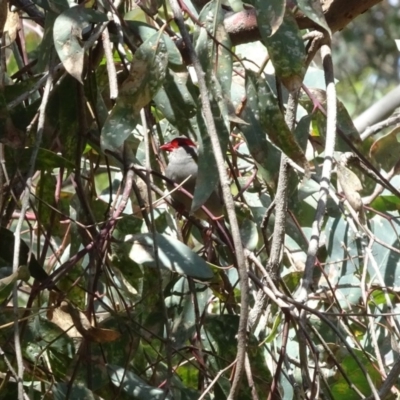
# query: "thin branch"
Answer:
x=390 y=380
x=38 y=85
x=111 y=71
x=17 y=234
x=168 y=349
x=228 y=200
x=372 y=130
x=250 y=378
x=326 y=172
x=11 y=369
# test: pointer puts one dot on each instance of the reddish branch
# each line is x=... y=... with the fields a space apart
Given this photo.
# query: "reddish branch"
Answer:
x=242 y=26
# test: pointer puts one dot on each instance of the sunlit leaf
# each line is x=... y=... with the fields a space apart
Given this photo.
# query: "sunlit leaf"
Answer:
x=249 y=234
x=313 y=10
x=385 y=150
x=207 y=178
x=146 y=77
x=339 y=385
x=172 y=255
x=269 y=15
x=67 y=33
x=175 y=100
x=344 y=120
x=287 y=52
x=272 y=120
x=146 y=31
x=266 y=156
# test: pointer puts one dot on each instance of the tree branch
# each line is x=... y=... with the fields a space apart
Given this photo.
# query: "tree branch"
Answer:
x=242 y=26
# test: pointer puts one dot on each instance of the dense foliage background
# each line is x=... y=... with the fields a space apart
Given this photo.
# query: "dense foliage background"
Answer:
x=107 y=292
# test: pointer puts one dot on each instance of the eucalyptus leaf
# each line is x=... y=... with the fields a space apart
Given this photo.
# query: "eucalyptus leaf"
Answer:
x=67 y=33
x=133 y=385
x=173 y=255
x=313 y=10
x=146 y=77
x=176 y=100
x=77 y=391
x=287 y=52
x=269 y=15
x=145 y=32
x=273 y=121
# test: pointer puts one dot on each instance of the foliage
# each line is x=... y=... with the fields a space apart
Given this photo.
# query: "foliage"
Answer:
x=114 y=294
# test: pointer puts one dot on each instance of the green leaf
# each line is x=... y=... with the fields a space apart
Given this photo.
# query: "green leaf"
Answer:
x=263 y=115
x=386 y=203
x=266 y=156
x=269 y=15
x=313 y=10
x=272 y=120
x=214 y=54
x=207 y=177
x=133 y=385
x=302 y=131
x=236 y=5
x=46 y=160
x=385 y=150
x=344 y=121
x=183 y=326
x=338 y=384
x=249 y=234
x=387 y=260
x=287 y=52
x=146 y=77
x=72 y=390
x=176 y=100
x=7 y=283
x=63 y=112
x=46 y=47
x=67 y=34
x=173 y=255
x=145 y=32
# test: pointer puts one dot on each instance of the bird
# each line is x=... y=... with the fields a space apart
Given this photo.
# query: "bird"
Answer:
x=182 y=167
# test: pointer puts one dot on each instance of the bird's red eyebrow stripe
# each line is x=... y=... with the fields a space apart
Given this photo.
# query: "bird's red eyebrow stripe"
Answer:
x=177 y=142
x=181 y=142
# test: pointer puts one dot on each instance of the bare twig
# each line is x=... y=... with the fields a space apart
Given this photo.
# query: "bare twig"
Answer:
x=250 y=379
x=112 y=72
x=371 y=130
x=35 y=87
x=228 y=200
x=326 y=172
x=11 y=369
x=17 y=234
x=168 y=349
x=390 y=380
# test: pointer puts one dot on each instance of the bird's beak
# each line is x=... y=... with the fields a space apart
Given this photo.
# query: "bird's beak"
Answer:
x=167 y=147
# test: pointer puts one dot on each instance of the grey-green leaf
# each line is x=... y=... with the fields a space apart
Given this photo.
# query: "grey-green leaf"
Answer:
x=269 y=15
x=146 y=77
x=313 y=10
x=176 y=101
x=67 y=34
x=287 y=52
x=133 y=385
x=146 y=31
x=172 y=255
